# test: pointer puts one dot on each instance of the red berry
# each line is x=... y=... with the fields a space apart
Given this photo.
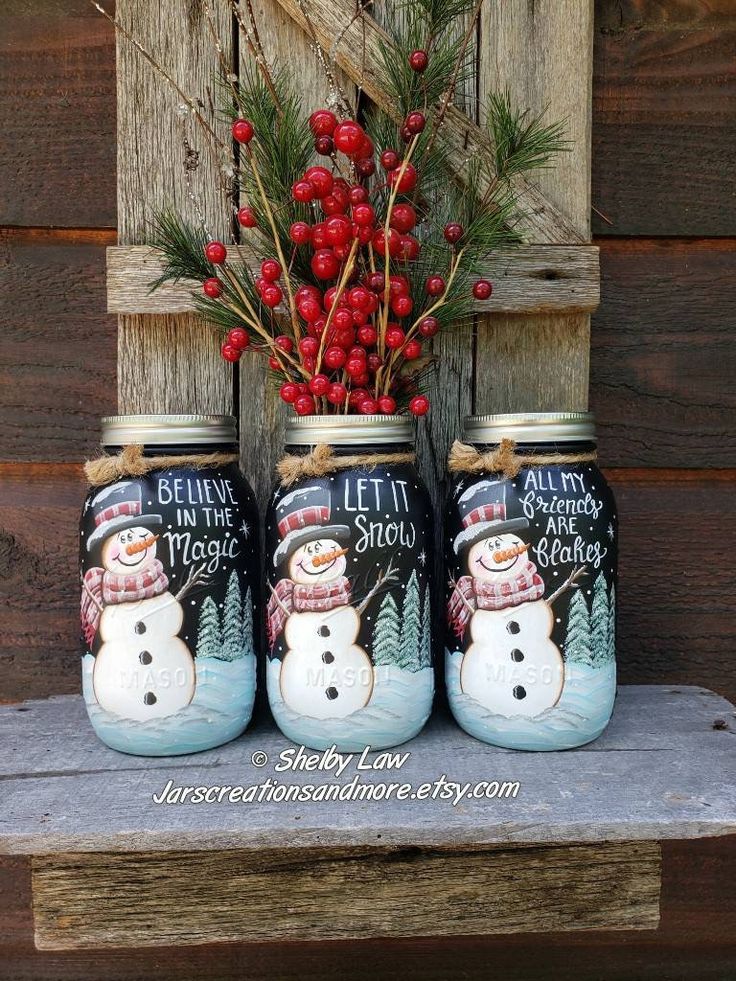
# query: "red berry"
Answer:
x=348 y=136
x=341 y=251
x=322 y=122
x=419 y=405
x=274 y=364
x=310 y=363
x=270 y=270
x=374 y=362
x=345 y=338
x=302 y=191
x=398 y=286
x=300 y=233
x=284 y=343
x=395 y=338
x=310 y=309
x=319 y=236
x=453 y=232
x=230 y=352
x=325 y=264
x=402 y=306
x=304 y=405
x=366 y=149
x=412 y=350
x=212 y=287
x=342 y=319
x=368 y=406
x=363 y=214
x=394 y=242
x=482 y=289
x=359 y=297
x=406 y=135
x=319 y=385
x=325 y=146
x=390 y=160
x=289 y=392
x=332 y=205
x=367 y=335
x=429 y=326
x=435 y=285
x=247 y=218
x=387 y=405
x=309 y=346
x=321 y=180
x=271 y=295
x=337 y=393
x=355 y=367
x=215 y=252
x=407 y=181
x=410 y=248
x=356 y=397
x=357 y=352
x=415 y=122
x=239 y=338
x=242 y=131
x=334 y=358
x=375 y=281
x=338 y=230
x=418 y=60
x=357 y=195
x=403 y=218
x=365 y=167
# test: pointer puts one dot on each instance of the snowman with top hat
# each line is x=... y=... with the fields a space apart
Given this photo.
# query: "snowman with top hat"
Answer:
x=512 y=666
x=325 y=674
x=143 y=670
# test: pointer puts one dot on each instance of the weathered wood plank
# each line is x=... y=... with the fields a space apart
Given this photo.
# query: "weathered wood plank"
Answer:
x=167 y=364
x=543 y=55
x=668 y=747
x=664 y=117
x=107 y=899
x=530 y=279
x=57 y=95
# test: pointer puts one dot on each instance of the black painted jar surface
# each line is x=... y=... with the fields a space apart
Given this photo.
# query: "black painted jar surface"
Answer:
x=170 y=577
x=348 y=556
x=531 y=613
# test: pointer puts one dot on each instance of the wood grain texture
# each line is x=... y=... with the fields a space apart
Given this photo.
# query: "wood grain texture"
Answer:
x=663 y=375
x=665 y=117
x=695 y=941
x=57 y=354
x=541 y=54
x=57 y=97
x=107 y=900
x=166 y=364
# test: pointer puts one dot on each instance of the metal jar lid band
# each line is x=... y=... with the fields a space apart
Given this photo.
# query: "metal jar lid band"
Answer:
x=531 y=427
x=341 y=430
x=169 y=430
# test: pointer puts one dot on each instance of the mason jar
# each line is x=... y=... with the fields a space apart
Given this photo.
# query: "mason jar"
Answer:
x=348 y=557
x=531 y=560
x=169 y=576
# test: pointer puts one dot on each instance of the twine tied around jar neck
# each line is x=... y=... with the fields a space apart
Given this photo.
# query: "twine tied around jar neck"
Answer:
x=130 y=462
x=322 y=460
x=504 y=459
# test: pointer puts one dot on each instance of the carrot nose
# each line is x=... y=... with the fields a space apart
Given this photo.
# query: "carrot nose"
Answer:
x=141 y=546
x=328 y=557
x=509 y=553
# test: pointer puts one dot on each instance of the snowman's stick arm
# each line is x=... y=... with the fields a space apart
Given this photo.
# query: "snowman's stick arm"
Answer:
x=568 y=583
x=379 y=583
x=279 y=601
x=195 y=577
x=468 y=606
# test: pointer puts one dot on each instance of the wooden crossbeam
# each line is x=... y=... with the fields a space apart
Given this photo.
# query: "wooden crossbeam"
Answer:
x=358 y=53
x=527 y=279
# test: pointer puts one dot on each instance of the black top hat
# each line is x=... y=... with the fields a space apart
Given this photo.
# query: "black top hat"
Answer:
x=483 y=511
x=303 y=516
x=117 y=507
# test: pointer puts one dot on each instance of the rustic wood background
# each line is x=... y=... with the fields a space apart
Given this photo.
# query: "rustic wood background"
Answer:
x=663 y=362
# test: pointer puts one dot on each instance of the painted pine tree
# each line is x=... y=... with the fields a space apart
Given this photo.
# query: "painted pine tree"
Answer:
x=232 y=621
x=577 y=639
x=386 y=633
x=411 y=626
x=599 y=621
x=611 y=648
x=425 y=647
x=247 y=619
x=209 y=631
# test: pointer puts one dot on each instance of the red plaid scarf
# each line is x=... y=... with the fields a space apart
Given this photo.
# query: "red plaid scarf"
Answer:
x=477 y=594
x=100 y=588
x=289 y=597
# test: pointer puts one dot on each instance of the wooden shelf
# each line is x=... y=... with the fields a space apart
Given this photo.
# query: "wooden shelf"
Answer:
x=576 y=849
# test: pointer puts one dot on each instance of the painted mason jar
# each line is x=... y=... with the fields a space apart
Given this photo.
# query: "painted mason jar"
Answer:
x=169 y=574
x=348 y=555
x=531 y=552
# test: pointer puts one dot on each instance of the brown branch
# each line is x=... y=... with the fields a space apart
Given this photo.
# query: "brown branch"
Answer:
x=569 y=583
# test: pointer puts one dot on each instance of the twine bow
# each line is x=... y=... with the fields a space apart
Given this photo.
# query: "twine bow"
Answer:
x=130 y=462
x=322 y=460
x=505 y=460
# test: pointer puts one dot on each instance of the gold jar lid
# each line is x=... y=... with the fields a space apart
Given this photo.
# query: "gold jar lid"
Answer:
x=342 y=430
x=160 y=430
x=531 y=427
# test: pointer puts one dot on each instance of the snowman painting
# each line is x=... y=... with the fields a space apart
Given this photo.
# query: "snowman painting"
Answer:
x=143 y=670
x=324 y=674
x=512 y=667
